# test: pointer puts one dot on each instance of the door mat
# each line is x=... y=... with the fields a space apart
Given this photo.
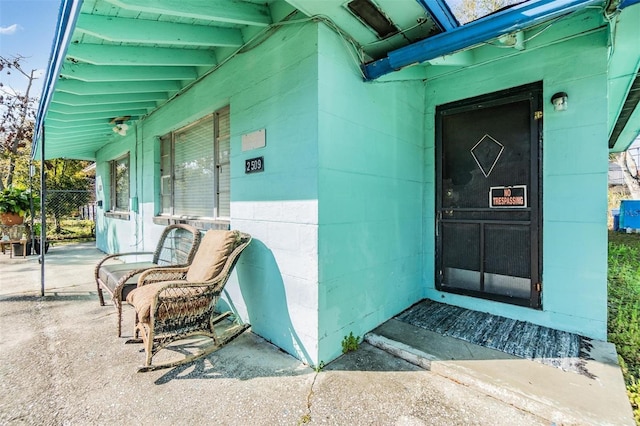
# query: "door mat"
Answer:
x=560 y=349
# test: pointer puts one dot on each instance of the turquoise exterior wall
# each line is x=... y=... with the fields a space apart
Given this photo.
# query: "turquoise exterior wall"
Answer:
x=371 y=172
x=114 y=235
x=274 y=87
x=343 y=215
x=574 y=175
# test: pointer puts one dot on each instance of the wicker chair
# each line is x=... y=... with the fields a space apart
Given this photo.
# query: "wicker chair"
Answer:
x=177 y=246
x=175 y=303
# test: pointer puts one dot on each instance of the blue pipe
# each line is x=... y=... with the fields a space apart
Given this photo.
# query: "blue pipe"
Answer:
x=67 y=17
x=627 y=3
x=516 y=18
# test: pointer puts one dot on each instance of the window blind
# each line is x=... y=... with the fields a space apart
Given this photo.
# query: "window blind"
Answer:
x=194 y=170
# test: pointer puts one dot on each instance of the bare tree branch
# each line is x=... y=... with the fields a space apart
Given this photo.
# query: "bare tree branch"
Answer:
x=17 y=116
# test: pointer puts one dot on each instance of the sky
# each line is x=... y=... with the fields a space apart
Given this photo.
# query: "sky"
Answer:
x=27 y=28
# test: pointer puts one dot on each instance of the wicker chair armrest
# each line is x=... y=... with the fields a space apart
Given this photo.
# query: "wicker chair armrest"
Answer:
x=184 y=293
x=178 y=284
x=115 y=255
x=173 y=274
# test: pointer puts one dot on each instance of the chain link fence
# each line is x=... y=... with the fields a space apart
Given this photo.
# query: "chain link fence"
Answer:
x=70 y=215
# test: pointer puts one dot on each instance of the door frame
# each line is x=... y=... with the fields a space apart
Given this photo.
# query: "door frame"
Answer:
x=533 y=93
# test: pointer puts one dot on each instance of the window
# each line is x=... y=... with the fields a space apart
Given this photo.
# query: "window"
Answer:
x=195 y=169
x=120 y=184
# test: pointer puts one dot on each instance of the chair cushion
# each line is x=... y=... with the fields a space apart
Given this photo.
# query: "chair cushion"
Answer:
x=111 y=274
x=212 y=255
x=142 y=298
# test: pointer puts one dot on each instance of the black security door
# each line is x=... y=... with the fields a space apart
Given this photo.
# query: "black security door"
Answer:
x=488 y=196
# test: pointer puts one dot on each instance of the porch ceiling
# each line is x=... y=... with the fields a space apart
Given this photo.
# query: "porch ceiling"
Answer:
x=125 y=58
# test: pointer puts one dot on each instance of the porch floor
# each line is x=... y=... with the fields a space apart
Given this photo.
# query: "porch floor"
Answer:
x=561 y=349
x=563 y=377
x=61 y=362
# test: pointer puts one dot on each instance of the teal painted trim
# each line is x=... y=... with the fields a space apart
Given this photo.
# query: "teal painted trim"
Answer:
x=69 y=12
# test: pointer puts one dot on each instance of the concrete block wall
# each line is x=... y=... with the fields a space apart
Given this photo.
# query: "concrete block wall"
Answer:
x=273 y=87
x=370 y=141
x=343 y=215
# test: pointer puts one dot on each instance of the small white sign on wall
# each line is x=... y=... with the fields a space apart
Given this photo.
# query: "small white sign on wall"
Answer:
x=254 y=140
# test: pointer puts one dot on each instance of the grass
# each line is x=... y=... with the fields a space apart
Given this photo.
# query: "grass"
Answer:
x=624 y=309
x=72 y=230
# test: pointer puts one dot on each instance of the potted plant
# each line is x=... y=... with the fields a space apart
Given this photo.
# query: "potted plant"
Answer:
x=14 y=205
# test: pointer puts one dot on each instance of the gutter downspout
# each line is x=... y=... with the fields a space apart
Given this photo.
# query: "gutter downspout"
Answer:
x=513 y=19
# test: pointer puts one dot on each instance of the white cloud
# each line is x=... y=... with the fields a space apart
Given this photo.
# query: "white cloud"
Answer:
x=11 y=29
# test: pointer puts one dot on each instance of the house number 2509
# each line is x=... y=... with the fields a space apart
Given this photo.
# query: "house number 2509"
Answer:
x=253 y=165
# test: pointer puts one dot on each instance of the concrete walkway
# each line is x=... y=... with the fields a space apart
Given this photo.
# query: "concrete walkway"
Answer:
x=61 y=363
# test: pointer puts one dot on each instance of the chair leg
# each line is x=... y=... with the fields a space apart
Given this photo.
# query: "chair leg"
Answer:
x=218 y=343
x=136 y=333
x=100 y=295
x=148 y=345
x=119 y=307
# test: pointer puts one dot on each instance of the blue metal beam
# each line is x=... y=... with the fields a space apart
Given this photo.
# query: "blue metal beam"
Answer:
x=627 y=3
x=440 y=11
x=67 y=17
x=515 y=18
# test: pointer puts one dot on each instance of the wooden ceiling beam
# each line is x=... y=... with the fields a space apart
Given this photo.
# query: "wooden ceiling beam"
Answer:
x=95 y=73
x=120 y=98
x=103 y=54
x=127 y=30
x=233 y=12
x=78 y=87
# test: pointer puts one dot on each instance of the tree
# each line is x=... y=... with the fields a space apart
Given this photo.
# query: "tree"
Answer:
x=63 y=177
x=17 y=122
x=470 y=10
x=17 y=116
x=630 y=172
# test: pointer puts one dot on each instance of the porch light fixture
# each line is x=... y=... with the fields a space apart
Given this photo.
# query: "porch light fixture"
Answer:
x=120 y=127
x=559 y=101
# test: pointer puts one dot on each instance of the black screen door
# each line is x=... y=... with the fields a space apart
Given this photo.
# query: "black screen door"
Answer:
x=488 y=196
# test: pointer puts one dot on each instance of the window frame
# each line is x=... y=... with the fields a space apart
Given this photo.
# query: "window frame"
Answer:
x=167 y=179
x=113 y=184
